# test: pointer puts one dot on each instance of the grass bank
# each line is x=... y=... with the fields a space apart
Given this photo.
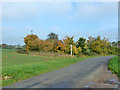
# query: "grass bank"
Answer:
x=17 y=67
x=113 y=65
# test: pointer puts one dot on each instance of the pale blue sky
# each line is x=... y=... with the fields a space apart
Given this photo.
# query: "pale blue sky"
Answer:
x=63 y=18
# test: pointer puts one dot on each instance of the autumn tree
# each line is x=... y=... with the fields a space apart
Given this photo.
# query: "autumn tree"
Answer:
x=60 y=47
x=92 y=46
x=41 y=45
x=28 y=39
x=95 y=46
x=37 y=45
x=4 y=46
x=101 y=46
x=48 y=46
x=76 y=51
x=67 y=42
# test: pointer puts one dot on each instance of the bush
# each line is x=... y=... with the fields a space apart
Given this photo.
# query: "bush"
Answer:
x=88 y=52
x=21 y=51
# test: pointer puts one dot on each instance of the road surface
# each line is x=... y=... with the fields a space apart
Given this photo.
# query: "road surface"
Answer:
x=73 y=76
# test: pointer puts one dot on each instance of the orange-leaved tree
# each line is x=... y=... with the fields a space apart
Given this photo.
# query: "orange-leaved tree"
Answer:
x=41 y=45
x=28 y=39
x=60 y=47
x=48 y=46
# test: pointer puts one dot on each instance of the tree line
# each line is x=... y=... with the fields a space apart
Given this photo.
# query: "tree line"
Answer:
x=6 y=46
x=92 y=46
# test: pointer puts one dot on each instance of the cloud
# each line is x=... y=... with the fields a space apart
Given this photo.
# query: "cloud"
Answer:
x=86 y=9
x=25 y=10
x=19 y=10
x=58 y=7
x=80 y=9
x=96 y=10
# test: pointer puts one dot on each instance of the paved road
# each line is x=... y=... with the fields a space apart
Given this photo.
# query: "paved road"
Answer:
x=72 y=76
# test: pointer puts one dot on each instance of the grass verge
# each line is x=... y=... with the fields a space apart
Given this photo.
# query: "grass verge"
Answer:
x=113 y=65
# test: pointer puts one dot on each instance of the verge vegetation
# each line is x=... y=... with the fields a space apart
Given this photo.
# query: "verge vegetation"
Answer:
x=113 y=65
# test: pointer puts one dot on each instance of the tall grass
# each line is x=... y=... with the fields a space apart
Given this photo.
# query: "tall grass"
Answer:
x=53 y=54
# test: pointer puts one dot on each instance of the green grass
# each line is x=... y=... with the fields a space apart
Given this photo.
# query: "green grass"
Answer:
x=113 y=65
x=22 y=66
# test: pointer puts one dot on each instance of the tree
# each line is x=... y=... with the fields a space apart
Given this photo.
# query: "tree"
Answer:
x=98 y=38
x=28 y=39
x=0 y=46
x=96 y=46
x=23 y=47
x=90 y=39
x=76 y=51
x=60 y=47
x=37 y=45
x=86 y=50
x=18 y=46
x=52 y=36
x=48 y=46
x=101 y=46
x=67 y=42
x=41 y=45
x=4 y=46
x=81 y=42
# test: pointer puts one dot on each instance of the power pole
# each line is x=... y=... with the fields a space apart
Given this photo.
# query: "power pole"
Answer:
x=31 y=31
x=71 y=49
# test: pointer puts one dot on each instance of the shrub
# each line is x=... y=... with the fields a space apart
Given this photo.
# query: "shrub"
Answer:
x=21 y=51
x=88 y=52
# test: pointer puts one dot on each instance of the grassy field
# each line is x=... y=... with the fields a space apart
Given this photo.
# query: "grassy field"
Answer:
x=17 y=67
x=113 y=65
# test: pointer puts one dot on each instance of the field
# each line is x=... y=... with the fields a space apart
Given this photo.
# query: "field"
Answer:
x=17 y=67
x=113 y=65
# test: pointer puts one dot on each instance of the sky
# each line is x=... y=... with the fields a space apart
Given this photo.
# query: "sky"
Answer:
x=78 y=19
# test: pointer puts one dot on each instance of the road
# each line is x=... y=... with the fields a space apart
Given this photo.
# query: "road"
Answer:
x=73 y=76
